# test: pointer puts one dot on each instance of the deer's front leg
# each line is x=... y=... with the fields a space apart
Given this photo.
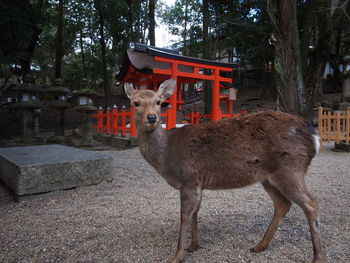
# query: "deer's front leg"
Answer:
x=190 y=200
x=194 y=241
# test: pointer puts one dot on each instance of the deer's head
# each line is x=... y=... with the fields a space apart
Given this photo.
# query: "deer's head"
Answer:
x=147 y=103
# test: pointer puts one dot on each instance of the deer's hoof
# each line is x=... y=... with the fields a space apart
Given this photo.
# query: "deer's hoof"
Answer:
x=193 y=247
x=319 y=260
x=258 y=248
x=175 y=260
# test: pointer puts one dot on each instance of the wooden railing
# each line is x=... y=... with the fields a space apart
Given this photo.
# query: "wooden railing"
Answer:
x=115 y=121
x=194 y=116
x=120 y=122
x=334 y=125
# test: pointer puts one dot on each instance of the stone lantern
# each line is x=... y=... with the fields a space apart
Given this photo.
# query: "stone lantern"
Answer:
x=8 y=96
x=29 y=106
x=85 y=106
x=29 y=93
x=346 y=63
x=59 y=103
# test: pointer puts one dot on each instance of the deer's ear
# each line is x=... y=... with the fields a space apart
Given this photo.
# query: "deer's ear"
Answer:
x=129 y=89
x=166 y=89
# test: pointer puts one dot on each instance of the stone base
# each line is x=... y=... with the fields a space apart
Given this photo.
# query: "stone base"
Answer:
x=59 y=140
x=118 y=142
x=343 y=106
x=342 y=146
x=31 y=170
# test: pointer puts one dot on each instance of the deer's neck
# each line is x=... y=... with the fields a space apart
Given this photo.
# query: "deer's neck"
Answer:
x=152 y=146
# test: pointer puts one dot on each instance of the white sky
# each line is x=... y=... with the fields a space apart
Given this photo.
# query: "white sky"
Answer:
x=163 y=36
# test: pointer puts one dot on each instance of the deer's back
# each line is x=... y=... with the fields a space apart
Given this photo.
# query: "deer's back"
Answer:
x=238 y=152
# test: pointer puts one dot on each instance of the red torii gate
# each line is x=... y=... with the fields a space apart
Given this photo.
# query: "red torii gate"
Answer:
x=149 y=66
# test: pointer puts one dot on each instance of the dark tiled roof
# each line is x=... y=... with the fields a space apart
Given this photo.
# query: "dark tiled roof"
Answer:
x=141 y=57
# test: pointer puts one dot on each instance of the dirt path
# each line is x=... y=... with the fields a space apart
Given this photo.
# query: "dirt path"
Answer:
x=134 y=217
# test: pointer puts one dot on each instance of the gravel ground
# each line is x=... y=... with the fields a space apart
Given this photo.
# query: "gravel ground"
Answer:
x=134 y=217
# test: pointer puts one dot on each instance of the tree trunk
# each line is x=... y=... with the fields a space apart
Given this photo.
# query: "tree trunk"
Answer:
x=82 y=52
x=185 y=29
x=59 y=49
x=206 y=55
x=305 y=39
x=25 y=62
x=338 y=21
x=138 y=22
x=103 y=49
x=131 y=32
x=319 y=58
x=288 y=72
x=152 y=22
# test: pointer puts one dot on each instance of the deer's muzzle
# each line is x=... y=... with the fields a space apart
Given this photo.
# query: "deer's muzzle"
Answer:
x=152 y=118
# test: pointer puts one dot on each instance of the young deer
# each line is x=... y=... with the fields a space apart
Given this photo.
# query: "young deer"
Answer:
x=272 y=148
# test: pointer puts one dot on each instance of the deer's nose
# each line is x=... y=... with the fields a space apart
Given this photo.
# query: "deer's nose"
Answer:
x=151 y=118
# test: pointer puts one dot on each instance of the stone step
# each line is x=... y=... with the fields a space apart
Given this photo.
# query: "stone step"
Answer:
x=39 y=169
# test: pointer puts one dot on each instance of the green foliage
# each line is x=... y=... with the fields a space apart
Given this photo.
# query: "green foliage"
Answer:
x=85 y=91
x=240 y=26
x=18 y=18
x=184 y=19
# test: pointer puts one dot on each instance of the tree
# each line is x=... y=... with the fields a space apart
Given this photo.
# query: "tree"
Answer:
x=20 y=22
x=99 y=6
x=300 y=65
x=206 y=55
x=287 y=62
x=340 y=41
x=59 y=35
x=314 y=67
x=152 y=22
x=184 y=19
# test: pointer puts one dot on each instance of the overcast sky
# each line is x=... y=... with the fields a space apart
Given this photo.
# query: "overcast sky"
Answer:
x=163 y=37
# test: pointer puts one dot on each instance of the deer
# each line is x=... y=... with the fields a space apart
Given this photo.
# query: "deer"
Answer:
x=272 y=148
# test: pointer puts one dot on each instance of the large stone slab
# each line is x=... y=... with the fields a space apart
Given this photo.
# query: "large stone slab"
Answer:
x=342 y=146
x=39 y=169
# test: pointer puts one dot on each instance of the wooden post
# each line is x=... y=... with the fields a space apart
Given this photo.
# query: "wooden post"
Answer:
x=173 y=99
x=347 y=141
x=108 y=121
x=191 y=117
x=329 y=125
x=337 y=125
x=132 y=123
x=216 y=113
x=179 y=96
x=100 y=120
x=229 y=106
x=167 y=116
x=115 y=120
x=197 y=117
x=320 y=126
x=123 y=128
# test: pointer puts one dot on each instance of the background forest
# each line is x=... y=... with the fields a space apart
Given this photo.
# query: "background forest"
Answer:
x=291 y=40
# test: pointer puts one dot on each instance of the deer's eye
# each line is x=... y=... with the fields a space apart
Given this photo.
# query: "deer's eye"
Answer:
x=136 y=104
x=158 y=102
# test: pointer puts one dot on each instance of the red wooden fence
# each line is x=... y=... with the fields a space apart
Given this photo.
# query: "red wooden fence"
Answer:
x=115 y=122
x=121 y=122
x=195 y=116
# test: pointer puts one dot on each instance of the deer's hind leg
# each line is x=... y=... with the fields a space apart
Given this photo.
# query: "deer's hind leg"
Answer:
x=282 y=206
x=297 y=192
